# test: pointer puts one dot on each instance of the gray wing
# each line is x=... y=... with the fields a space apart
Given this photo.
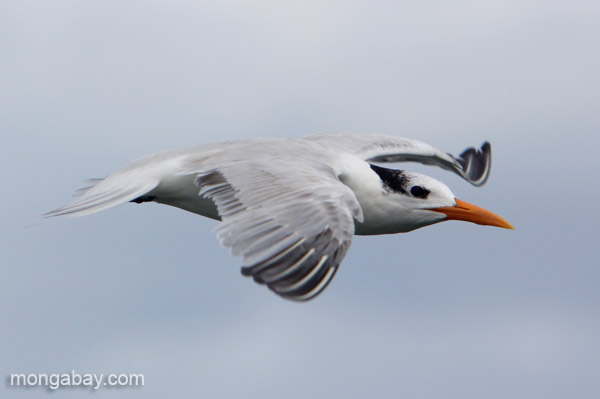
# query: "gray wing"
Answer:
x=473 y=165
x=291 y=219
x=283 y=208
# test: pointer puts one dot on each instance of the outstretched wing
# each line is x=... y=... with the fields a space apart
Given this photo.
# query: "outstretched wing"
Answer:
x=291 y=220
x=283 y=208
x=473 y=165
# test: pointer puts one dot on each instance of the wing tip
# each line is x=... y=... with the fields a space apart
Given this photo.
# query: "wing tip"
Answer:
x=476 y=164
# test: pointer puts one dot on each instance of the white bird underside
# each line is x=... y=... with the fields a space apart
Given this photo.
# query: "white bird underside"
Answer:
x=289 y=207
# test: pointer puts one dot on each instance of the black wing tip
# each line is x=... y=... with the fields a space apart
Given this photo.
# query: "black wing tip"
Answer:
x=477 y=163
x=313 y=288
x=486 y=149
x=307 y=277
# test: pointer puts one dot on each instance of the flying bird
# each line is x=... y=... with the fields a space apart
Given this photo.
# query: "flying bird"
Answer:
x=289 y=207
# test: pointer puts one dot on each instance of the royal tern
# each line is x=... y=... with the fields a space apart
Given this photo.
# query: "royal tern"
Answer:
x=290 y=207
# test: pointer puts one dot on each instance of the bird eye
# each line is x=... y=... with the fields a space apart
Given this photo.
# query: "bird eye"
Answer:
x=419 y=192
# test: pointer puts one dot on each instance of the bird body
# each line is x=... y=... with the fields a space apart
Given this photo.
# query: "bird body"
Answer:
x=290 y=207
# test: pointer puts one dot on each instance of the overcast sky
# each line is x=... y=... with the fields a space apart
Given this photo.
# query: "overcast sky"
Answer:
x=454 y=310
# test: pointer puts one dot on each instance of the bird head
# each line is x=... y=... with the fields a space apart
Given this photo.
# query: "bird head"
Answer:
x=408 y=201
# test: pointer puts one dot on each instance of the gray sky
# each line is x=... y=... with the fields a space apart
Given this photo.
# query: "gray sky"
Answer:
x=454 y=310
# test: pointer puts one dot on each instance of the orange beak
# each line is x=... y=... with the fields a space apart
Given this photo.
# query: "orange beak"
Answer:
x=472 y=213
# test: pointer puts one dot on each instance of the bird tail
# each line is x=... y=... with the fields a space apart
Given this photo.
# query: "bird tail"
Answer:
x=121 y=187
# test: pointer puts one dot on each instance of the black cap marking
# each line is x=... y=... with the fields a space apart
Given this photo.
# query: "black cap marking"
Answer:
x=393 y=179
